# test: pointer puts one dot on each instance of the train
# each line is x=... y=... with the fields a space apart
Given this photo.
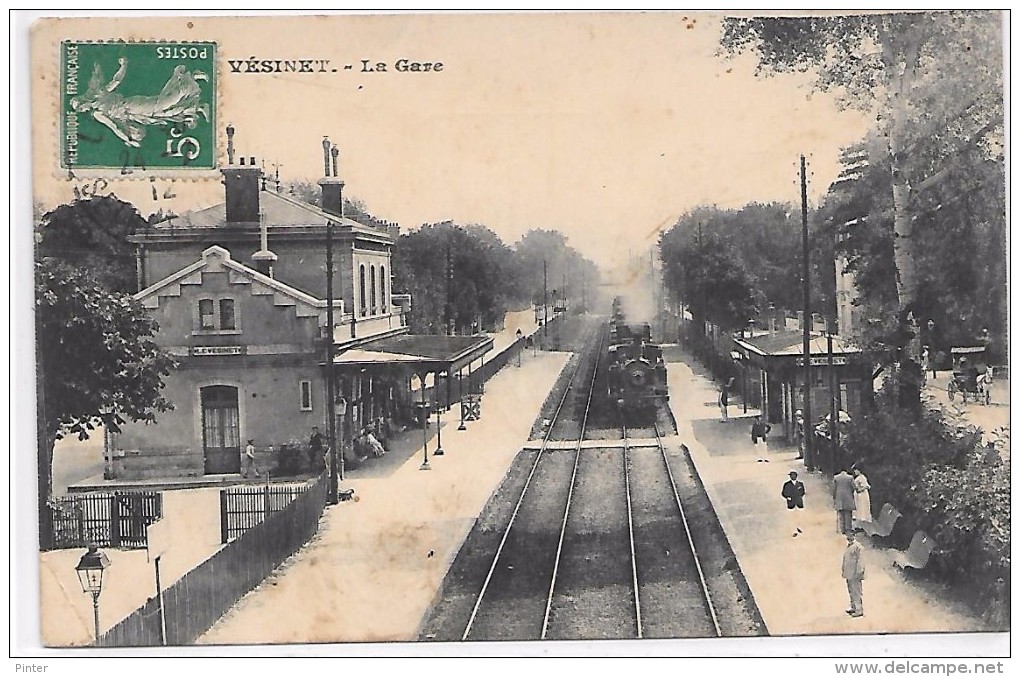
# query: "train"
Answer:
x=637 y=372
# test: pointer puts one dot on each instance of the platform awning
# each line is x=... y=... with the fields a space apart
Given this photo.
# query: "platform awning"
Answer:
x=419 y=353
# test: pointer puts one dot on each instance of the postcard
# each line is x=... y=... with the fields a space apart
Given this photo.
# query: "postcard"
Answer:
x=500 y=332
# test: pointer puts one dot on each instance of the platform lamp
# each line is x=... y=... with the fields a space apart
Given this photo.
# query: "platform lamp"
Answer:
x=439 y=419
x=90 y=574
x=519 y=347
x=424 y=425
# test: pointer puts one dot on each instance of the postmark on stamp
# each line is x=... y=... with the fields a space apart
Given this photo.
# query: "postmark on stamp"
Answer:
x=130 y=106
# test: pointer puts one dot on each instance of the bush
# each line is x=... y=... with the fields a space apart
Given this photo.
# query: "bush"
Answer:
x=943 y=480
x=968 y=515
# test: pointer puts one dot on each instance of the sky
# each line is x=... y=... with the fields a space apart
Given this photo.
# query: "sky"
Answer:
x=606 y=127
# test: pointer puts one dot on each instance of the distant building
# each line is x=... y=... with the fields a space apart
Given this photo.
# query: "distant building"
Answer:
x=239 y=293
x=854 y=161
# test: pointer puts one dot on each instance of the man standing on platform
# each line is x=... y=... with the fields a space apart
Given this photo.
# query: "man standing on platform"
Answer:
x=316 y=451
x=759 y=433
x=843 y=497
x=853 y=572
x=793 y=492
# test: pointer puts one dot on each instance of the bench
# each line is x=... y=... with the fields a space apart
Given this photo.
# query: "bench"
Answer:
x=883 y=526
x=917 y=554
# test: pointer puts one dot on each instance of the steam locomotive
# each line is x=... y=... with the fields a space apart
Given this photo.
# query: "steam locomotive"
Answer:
x=637 y=373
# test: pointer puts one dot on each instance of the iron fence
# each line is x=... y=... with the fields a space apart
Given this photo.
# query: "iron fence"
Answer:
x=112 y=520
x=242 y=508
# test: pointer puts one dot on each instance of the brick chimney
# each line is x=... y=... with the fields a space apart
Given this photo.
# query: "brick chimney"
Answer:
x=241 y=183
x=394 y=230
x=332 y=186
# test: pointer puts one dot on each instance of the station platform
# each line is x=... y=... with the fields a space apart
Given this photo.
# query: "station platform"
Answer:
x=796 y=580
x=377 y=565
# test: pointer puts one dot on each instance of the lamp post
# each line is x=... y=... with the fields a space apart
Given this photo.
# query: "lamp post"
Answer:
x=519 y=334
x=460 y=391
x=424 y=425
x=90 y=574
x=338 y=449
x=439 y=420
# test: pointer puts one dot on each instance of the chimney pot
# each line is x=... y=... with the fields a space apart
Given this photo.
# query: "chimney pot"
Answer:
x=230 y=144
x=325 y=156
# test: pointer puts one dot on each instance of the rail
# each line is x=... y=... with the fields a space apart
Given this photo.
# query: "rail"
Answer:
x=520 y=500
x=573 y=477
x=690 y=540
x=630 y=530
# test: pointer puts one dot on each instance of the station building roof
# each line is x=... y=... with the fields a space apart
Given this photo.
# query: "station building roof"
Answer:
x=791 y=343
x=419 y=352
x=278 y=212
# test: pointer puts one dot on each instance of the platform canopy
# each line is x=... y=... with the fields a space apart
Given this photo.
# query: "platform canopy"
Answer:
x=785 y=350
x=419 y=353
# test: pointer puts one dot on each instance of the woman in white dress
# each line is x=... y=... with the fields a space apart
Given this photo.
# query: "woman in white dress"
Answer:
x=862 y=496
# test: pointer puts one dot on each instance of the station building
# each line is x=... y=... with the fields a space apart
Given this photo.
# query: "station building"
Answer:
x=772 y=368
x=239 y=292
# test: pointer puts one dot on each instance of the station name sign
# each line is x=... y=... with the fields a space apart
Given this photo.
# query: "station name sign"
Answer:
x=204 y=351
x=823 y=361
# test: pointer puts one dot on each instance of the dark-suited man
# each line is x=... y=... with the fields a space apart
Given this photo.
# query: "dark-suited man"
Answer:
x=793 y=492
x=843 y=496
x=853 y=572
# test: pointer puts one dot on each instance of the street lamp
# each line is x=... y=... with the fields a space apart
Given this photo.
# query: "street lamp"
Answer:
x=424 y=425
x=519 y=334
x=90 y=574
x=439 y=419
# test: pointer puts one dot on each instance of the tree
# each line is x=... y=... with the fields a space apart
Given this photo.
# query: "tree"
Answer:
x=475 y=286
x=97 y=364
x=562 y=263
x=703 y=266
x=922 y=73
x=92 y=232
x=759 y=248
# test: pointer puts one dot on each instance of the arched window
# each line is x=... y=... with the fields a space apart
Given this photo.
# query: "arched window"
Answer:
x=361 y=288
x=382 y=289
x=375 y=307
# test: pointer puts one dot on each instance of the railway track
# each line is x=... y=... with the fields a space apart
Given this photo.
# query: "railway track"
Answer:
x=500 y=610
x=604 y=541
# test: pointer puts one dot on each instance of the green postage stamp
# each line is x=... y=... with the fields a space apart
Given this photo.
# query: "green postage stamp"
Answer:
x=137 y=105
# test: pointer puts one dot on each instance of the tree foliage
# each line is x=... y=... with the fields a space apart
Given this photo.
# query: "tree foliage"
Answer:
x=485 y=278
x=91 y=233
x=566 y=273
x=101 y=364
x=933 y=80
x=728 y=265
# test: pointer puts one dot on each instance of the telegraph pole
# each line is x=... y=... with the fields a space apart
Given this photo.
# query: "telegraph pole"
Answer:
x=545 y=298
x=334 y=468
x=584 y=291
x=809 y=457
